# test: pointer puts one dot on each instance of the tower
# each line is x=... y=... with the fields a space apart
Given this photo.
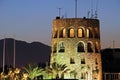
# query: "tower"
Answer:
x=76 y=43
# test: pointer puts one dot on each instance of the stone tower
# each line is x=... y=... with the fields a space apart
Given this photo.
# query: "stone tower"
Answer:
x=76 y=43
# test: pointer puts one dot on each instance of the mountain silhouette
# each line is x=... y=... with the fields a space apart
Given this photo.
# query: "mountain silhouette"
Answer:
x=26 y=53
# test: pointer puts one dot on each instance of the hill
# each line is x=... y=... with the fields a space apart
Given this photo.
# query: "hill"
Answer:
x=26 y=53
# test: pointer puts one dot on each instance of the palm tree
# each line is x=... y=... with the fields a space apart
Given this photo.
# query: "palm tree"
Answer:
x=33 y=71
x=57 y=70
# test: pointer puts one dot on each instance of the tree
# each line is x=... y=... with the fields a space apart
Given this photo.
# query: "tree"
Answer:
x=33 y=71
x=57 y=70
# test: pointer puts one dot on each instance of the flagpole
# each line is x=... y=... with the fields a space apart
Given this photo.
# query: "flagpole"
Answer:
x=14 y=55
x=4 y=54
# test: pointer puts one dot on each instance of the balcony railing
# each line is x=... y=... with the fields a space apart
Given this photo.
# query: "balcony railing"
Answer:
x=111 y=76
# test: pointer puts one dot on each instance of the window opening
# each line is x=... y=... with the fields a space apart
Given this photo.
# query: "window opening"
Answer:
x=62 y=47
x=89 y=47
x=80 y=47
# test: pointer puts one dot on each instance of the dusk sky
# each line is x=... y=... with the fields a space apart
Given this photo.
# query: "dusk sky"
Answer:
x=31 y=20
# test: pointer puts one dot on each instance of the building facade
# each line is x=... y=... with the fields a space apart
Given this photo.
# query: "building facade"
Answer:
x=111 y=63
x=76 y=43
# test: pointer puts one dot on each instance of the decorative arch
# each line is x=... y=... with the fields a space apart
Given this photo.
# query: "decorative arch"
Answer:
x=80 y=33
x=62 y=33
x=71 y=33
x=80 y=47
x=55 y=48
x=61 y=47
x=89 y=33
x=89 y=47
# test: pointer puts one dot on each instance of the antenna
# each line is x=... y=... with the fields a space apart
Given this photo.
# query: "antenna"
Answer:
x=75 y=8
x=65 y=14
x=59 y=11
x=96 y=14
x=88 y=14
x=92 y=9
x=113 y=44
x=96 y=11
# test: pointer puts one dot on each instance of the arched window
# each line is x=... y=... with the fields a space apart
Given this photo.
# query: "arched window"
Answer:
x=61 y=47
x=55 y=48
x=83 y=61
x=62 y=33
x=80 y=47
x=96 y=47
x=72 y=60
x=89 y=47
x=96 y=33
x=96 y=61
x=71 y=33
x=89 y=33
x=80 y=33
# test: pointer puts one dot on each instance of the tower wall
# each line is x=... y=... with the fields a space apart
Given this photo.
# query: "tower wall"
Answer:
x=76 y=43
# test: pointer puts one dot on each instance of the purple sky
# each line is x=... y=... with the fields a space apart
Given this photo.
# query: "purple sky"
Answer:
x=31 y=20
